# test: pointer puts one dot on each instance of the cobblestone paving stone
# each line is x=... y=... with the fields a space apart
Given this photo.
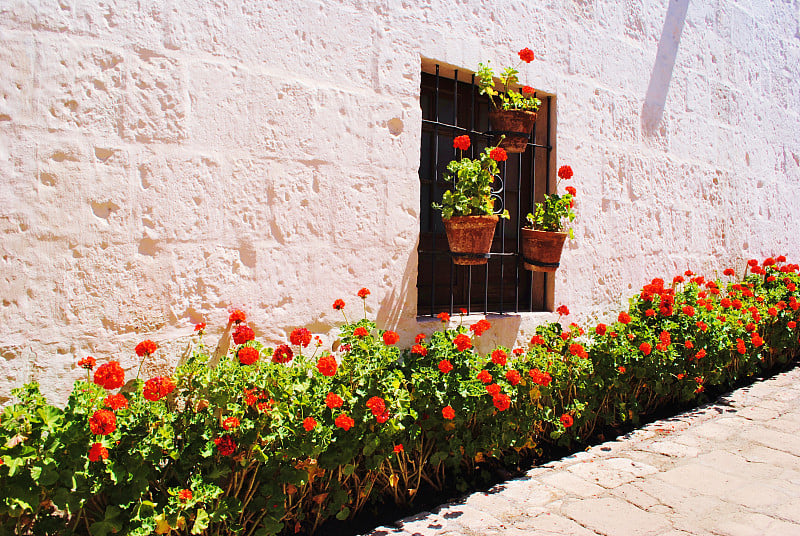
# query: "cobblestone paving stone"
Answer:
x=728 y=468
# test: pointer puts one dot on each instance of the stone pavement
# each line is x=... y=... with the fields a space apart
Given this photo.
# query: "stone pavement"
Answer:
x=728 y=468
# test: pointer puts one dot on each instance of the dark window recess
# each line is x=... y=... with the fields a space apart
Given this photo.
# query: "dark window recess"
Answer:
x=450 y=108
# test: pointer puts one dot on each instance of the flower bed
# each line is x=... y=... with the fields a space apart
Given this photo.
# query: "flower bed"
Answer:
x=256 y=441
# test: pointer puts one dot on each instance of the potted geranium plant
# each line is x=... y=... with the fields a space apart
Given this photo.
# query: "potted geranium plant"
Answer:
x=468 y=209
x=543 y=240
x=513 y=112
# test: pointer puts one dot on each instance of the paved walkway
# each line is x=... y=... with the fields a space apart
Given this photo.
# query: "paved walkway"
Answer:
x=729 y=468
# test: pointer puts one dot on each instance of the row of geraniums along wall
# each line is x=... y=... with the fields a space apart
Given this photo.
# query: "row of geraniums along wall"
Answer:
x=468 y=209
x=513 y=112
x=542 y=241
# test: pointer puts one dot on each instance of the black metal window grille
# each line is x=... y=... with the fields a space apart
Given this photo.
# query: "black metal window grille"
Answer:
x=450 y=108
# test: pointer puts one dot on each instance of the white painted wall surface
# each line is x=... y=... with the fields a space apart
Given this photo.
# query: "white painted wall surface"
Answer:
x=162 y=161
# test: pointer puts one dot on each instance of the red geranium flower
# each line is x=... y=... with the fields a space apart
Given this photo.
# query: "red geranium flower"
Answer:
x=398 y=448
x=103 y=422
x=740 y=347
x=344 y=422
x=309 y=423
x=688 y=310
x=377 y=405
x=518 y=351
x=576 y=349
x=87 y=362
x=537 y=340
x=360 y=332
x=230 y=423
x=247 y=355
x=752 y=263
x=145 y=348
x=700 y=355
x=390 y=338
x=333 y=401
x=282 y=354
x=498 y=154
x=780 y=258
x=419 y=338
x=461 y=142
x=338 y=305
x=185 y=495
x=565 y=172
x=571 y=190
x=462 y=342
x=157 y=388
x=645 y=348
x=566 y=420
x=419 y=350
x=526 y=55
x=728 y=271
x=702 y=326
x=601 y=329
x=115 y=402
x=445 y=366
x=539 y=377
x=327 y=365
x=98 y=452
x=242 y=334
x=448 y=413
x=528 y=89
x=501 y=401
x=484 y=376
x=499 y=357
x=513 y=377
x=621 y=369
x=237 y=315
x=109 y=375
x=480 y=327
x=225 y=445
x=624 y=317
x=300 y=337
x=562 y=310
x=756 y=339
x=689 y=344
x=444 y=317
x=363 y=293
x=791 y=324
x=200 y=327
x=493 y=389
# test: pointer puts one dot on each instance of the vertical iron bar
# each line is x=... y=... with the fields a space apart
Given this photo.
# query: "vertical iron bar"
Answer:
x=502 y=240
x=519 y=232
x=435 y=168
x=547 y=186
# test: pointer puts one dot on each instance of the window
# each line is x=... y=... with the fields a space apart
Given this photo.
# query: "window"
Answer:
x=452 y=106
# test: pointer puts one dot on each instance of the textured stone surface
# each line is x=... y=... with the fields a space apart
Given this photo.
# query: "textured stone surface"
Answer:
x=161 y=162
x=727 y=484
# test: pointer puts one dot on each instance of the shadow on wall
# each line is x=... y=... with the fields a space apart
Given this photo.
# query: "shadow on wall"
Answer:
x=656 y=97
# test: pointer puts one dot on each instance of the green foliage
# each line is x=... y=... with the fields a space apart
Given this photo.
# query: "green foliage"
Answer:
x=509 y=98
x=550 y=214
x=472 y=189
x=438 y=412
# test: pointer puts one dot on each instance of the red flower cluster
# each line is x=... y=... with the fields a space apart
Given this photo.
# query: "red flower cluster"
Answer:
x=513 y=377
x=562 y=310
x=200 y=327
x=145 y=348
x=537 y=340
x=309 y=423
x=242 y=334
x=445 y=366
x=462 y=342
x=248 y=355
x=526 y=55
x=461 y=142
x=360 y=332
x=377 y=406
x=444 y=317
x=578 y=350
x=419 y=350
x=498 y=154
x=664 y=341
x=237 y=315
x=230 y=423
x=501 y=401
x=499 y=357
x=185 y=495
x=539 y=377
x=333 y=401
x=115 y=402
x=282 y=354
x=601 y=329
x=448 y=413
x=571 y=190
x=87 y=362
x=566 y=420
x=390 y=338
x=398 y=448
x=344 y=422
x=300 y=337
x=480 y=327
x=363 y=293
x=226 y=445
x=338 y=305
x=98 y=452
x=157 y=388
x=624 y=317
x=327 y=365
x=109 y=375
x=565 y=173
x=103 y=422
x=484 y=376
x=528 y=89
x=645 y=348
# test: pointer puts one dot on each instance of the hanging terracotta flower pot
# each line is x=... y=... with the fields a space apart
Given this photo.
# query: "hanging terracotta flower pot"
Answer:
x=470 y=238
x=541 y=250
x=515 y=125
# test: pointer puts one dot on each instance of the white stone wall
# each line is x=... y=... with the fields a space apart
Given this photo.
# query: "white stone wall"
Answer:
x=161 y=162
